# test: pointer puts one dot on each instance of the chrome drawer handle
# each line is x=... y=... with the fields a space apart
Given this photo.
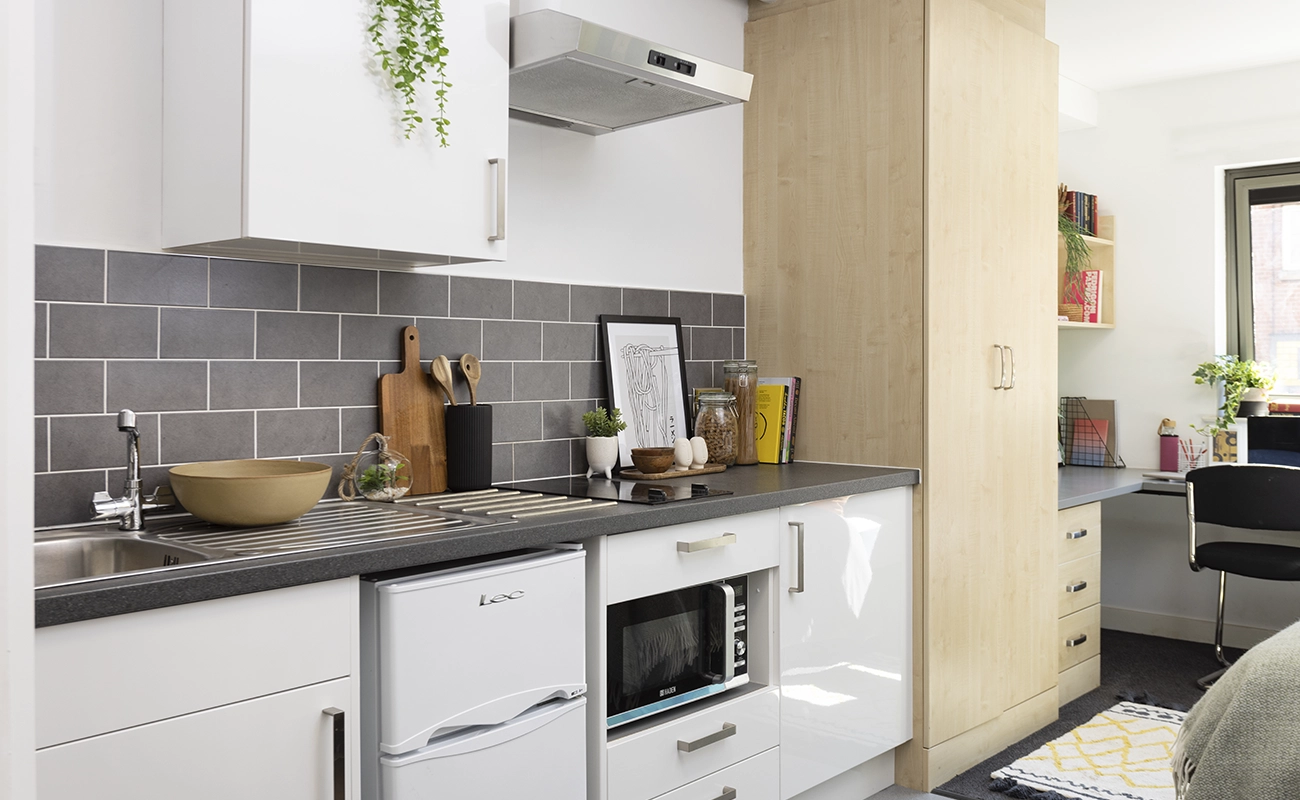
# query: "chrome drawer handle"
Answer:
x=1076 y=641
x=728 y=793
x=1077 y=587
x=706 y=544
x=728 y=730
x=1079 y=534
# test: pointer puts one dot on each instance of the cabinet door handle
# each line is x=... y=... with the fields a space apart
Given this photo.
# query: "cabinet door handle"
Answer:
x=728 y=793
x=706 y=544
x=1076 y=641
x=1002 y=367
x=500 y=234
x=728 y=730
x=1012 y=385
x=1076 y=587
x=797 y=586
x=339 y=751
x=1079 y=534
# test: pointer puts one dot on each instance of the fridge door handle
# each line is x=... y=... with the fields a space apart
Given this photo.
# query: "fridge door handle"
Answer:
x=338 y=752
x=491 y=737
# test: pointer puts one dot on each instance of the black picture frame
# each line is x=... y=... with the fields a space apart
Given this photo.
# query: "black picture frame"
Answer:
x=648 y=425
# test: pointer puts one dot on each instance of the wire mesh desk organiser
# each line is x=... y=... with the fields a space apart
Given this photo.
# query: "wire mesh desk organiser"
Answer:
x=1087 y=433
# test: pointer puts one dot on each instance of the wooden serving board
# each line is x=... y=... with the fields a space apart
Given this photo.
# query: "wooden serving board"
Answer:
x=637 y=475
x=410 y=415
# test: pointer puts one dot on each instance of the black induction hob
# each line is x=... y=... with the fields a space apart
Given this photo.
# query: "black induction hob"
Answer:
x=646 y=492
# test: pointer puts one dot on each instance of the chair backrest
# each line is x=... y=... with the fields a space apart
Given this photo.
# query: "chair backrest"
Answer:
x=1254 y=496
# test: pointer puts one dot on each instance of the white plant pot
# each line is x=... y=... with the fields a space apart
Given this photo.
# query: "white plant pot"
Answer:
x=1254 y=395
x=602 y=455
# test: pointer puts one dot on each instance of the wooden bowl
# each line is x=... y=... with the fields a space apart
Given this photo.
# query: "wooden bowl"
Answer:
x=652 y=460
x=250 y=492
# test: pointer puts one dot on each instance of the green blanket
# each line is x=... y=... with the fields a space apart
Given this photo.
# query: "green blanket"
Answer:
x=1242 y=740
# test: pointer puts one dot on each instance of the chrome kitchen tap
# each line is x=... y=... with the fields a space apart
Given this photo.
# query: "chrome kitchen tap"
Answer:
x=130 y=508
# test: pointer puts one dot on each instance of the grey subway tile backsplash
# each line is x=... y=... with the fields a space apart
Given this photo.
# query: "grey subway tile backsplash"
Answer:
x=335 y=289
x=412 y=294
x=205 y=333
x=157 y=279
x=253 y=384
x=78 y=331
x=544 y=301
x=484 y=298
x=222 y=358
x=253 y=284
x=297 y=336
x=70 y=273
x=692 y=308
x=645 y=303
x=563 y=341
x=511 y=341
x=206 y=436
x=308 y=431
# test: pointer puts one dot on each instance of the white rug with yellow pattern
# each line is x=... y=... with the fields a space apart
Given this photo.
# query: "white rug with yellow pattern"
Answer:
x=1123 y=753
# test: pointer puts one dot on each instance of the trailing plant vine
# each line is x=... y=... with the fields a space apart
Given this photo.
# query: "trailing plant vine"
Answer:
x=409 y=55
x=1077 y=254
x=1236 y=376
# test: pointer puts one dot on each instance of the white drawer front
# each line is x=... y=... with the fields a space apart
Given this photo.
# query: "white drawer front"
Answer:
x=106 y=674
x=658 y=560
x=757 y=778
x=649 y=763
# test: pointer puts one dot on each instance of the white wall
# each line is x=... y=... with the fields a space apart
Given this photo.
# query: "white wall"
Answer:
x=582 y=209
x=1155 y=162
x=17 y=114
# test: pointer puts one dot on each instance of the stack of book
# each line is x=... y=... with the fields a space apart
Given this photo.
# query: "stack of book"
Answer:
x=1081 y=208
x=775 y=419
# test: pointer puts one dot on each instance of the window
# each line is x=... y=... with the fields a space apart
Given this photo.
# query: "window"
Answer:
x=1264 y=269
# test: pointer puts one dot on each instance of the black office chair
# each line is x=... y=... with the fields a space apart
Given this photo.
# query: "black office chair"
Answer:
x=1248 y=496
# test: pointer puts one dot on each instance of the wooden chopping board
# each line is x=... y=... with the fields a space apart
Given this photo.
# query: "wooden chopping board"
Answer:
x=410 y=415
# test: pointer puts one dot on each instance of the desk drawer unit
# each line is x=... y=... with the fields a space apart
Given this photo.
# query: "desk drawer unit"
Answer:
x=1080 y=637
x=643 y=563
x=1078 y=584
x=648 y=763
x=1078 y=593
x=1078 y=532
x=757 y=778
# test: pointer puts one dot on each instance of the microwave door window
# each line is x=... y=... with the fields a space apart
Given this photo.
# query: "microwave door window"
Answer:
x=656 y=648
x=658 y=652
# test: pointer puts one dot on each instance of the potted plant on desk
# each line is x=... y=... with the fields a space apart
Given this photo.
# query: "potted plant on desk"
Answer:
x=602 y=440
x=1245 y=386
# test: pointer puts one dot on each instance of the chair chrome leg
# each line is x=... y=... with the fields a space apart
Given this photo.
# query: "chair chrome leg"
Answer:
x=1208 y=681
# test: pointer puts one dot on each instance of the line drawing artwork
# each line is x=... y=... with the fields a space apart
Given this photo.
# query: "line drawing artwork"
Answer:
x=649 y=369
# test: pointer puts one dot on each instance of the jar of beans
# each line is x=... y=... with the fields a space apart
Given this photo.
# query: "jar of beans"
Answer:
x=718 y=424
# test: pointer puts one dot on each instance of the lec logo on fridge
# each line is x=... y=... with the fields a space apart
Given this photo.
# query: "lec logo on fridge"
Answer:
x=484 y=600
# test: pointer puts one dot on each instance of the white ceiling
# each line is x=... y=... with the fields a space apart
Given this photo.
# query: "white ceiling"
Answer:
x=1113 y=44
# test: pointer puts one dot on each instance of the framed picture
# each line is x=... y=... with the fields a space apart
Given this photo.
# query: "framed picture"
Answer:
x=645 y=369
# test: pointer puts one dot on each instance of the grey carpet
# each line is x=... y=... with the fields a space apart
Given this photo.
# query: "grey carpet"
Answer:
x=1130 y=662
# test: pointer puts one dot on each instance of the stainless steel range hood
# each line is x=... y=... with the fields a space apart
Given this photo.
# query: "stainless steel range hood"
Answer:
x=569 y=73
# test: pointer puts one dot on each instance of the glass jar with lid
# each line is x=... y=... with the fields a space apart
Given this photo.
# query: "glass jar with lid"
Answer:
x=741 y=379
x=717 y=424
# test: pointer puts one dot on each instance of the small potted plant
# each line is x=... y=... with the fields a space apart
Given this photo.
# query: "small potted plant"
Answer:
x=602 y=440
x=1245 y=386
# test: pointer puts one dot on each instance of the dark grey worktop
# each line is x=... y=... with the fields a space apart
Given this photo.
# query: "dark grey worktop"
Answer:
x=1082 y=485
x=755 y=489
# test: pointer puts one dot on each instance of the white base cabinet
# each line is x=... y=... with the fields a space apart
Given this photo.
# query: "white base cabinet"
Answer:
x=845 y=625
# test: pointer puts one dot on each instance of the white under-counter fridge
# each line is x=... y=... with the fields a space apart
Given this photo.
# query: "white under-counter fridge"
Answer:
x=472 y=680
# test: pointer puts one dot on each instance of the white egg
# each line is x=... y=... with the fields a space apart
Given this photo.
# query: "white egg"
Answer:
x=699 y=452
x=682 y=453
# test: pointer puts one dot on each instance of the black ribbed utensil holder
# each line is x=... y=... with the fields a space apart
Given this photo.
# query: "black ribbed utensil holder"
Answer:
x=469 y=447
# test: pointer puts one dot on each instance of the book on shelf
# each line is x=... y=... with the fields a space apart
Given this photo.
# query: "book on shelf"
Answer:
x=770 y=405
x=1092 y=295
x=1080 y=208
x=789 y=422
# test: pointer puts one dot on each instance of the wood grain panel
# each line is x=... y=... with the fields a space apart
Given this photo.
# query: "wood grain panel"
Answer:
x=1030 y=14
x=1078 y=680
x=1075 y=520
x=1071 y=573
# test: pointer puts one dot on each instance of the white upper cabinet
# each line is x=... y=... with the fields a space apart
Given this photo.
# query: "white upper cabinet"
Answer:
x=282 y=138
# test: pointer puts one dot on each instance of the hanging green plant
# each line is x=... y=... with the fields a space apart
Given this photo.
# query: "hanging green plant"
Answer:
x=411 y=54
x=1077 y=253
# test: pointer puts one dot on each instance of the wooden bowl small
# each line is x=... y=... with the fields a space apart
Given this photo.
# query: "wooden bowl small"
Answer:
x=652 y=460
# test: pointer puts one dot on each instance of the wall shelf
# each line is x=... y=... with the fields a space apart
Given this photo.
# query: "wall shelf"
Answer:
x=1102 y=250
x=1097 y=325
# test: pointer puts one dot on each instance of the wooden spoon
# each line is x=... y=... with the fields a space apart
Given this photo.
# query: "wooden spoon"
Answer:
x=441 y=369
x=473 y=371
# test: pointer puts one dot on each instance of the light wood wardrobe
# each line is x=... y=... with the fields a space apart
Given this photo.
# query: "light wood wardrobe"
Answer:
x=900 y=256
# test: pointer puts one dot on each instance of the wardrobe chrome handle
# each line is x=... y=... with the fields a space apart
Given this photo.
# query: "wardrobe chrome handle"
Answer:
x=706 y=544
x=1076 y=641
x=1079 y=534
x=1076 y=587
x=1013 y=369
x=728 y=730
x=500 y=234
x=728 y=793
x=797 y=586
x=338 y=752
x=1002 y=368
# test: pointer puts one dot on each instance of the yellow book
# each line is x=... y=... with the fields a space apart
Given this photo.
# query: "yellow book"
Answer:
x=769 y=421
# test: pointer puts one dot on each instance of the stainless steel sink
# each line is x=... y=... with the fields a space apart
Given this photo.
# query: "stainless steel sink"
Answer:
x=72 y=557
